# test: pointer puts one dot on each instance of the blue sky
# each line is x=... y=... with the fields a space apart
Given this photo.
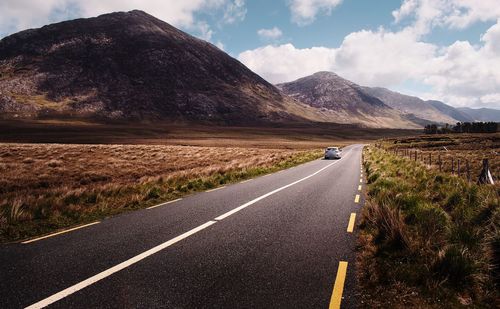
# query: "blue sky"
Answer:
x=437 y=49
x=327 y=30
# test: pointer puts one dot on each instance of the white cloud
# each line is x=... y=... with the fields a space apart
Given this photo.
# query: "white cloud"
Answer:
x=405 y=10
x=21 y=14
x=460 y=74
x=285 y=62
x=304 y=12
x=204 y=30
x=272 y=33
x=235 y=12
x=220 y=45
x=453 y=14
x=382 y=58
x=17 y=15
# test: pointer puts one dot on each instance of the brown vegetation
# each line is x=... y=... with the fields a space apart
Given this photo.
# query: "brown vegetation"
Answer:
x=83 y=131
x=99 y=169
x=452 y=148
x=47 y=186
x=428 y=239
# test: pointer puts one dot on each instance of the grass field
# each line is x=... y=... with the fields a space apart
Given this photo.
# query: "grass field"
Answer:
x=471 y=148
x=58 y=173
x=48 y=186
x=278 y=136
x=428 y=239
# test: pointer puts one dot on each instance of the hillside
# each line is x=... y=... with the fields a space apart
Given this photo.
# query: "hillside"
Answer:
x=448 y=110
x=432 y=111
x=481 y=114
x=131 y=66
x=346 y=100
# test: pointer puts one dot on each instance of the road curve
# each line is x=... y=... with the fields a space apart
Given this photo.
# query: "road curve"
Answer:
x=277 y=241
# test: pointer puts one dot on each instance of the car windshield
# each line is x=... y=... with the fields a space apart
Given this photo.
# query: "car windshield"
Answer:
x=333 y=148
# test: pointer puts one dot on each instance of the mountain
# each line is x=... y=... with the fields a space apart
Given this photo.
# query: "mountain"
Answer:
x=345 y=100
x=481 y=114
x=132 y=66
x=453 y=112
x=430 y=112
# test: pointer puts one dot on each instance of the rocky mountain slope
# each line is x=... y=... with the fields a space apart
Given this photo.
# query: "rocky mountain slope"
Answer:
x=481 y=114
x=346 y=100
x=430 y=111
x=453 y=112
x=132 y=66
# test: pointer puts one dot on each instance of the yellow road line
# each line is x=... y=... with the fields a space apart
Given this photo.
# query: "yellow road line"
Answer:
x=89 y=281
x=359 y=188
x=361 y=180
x=352 y=219
x=356 y=199
x=338 y=287
x=59 y=233
x=169 y=202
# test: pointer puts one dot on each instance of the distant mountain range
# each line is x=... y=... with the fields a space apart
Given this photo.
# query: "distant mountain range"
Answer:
x=130 y=66
x=430 y=111
x=482 y=114
x=348 y=101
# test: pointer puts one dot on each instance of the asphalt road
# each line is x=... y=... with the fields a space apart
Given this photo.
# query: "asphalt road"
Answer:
x=276 y=241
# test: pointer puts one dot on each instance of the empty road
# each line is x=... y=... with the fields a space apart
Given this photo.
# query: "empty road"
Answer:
x=283 y=240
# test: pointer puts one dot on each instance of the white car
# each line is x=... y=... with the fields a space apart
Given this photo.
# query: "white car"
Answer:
x=333 y=153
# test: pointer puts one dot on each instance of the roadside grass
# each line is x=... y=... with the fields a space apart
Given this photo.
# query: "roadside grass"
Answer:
x=427 y=239
x=47 y=187
x=472 y=147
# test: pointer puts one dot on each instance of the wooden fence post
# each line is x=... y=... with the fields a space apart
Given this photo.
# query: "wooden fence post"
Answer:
x=467 y=170
x=452 y=166
x=485 y=176
x=458 y=167
x=440 y=163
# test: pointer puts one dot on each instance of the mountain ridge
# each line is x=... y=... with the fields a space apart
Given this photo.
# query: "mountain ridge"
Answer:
x=328 y=91
x=481 y=114
x=410 y=105
x=133 y=66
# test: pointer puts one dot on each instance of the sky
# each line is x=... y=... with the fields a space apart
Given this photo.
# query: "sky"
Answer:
x=446 y=50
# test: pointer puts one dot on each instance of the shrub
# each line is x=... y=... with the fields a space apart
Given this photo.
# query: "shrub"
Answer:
x=153 y=193
x=455 y=265
x=454 y=200
x=390 y=226
x=373 y=177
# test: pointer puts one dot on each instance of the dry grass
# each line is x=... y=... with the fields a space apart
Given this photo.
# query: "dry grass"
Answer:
x=459 y=147
x=81 y=131
x=427 y=239
x=48 y=186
